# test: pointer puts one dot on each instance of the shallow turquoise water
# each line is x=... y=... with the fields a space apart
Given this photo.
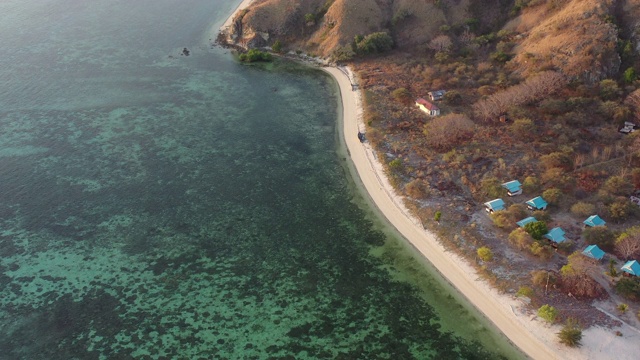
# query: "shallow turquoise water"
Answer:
x=154 y=205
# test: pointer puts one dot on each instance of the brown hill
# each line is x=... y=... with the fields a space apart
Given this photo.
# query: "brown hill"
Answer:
x=337 y=22
x=576 y=37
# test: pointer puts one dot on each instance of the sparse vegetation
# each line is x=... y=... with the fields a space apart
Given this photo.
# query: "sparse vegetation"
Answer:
x=571 y=333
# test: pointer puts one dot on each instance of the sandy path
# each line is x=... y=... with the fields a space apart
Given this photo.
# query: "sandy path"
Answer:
x=463 y=278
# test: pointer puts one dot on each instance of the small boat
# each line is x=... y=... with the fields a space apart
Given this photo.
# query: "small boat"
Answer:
x=361 y=136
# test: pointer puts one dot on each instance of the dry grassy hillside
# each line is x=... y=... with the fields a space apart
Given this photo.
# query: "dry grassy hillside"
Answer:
x=335 y=23
x=576 y=37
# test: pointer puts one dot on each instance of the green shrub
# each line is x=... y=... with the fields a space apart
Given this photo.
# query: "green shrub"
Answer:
x=277 y=46
x=453 y=97
x=552 y=196
x=583 y=209
x=485 y=253
x=309 y=18
x=541 y=250
x=531 y=184
x=525 y=291
x=601 y=236
x=630 y=75
x=491 y=187
x=541 y=215
x=542 y=278
x=536 y=229
x=609 y=90
x=623 y=308
x=548 y=313
x=500 y=57
x=402 y=95
x=374 y=43
x=344 y=53
x=520 y=239
x=629 y=288
x=571 y=333
x=254 y=55
x=618 y=185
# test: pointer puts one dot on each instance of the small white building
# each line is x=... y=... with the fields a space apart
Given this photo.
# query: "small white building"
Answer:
x=429 y=108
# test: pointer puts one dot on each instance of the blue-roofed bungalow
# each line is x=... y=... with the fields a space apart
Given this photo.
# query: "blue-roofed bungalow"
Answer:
x=525 y=221
x=556 y=235
x=537 y=203
x=594 y=252
x=631 y=267
x=494 y=205
x=594 y=220
x=513 y=187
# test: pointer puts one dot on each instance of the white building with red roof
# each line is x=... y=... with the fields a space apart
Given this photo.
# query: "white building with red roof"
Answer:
x=429 y=108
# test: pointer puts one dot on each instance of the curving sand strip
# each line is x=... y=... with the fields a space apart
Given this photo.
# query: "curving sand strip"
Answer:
x=462 y=277
x=535 y=338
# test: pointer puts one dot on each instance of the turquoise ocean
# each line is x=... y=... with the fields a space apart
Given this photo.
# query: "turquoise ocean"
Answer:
x=161 y=206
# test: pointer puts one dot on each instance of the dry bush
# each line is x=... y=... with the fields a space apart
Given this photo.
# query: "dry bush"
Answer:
x=577 y=276
x=633 y=101
x=583 y=209
x=520 y=239
x=417 y=189
x=543 y=277
x=446 y=131
x=441 y=43
x=533 y=89
x=628 y=244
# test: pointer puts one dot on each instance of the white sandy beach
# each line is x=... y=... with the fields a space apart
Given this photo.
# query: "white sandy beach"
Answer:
x=531 y=335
